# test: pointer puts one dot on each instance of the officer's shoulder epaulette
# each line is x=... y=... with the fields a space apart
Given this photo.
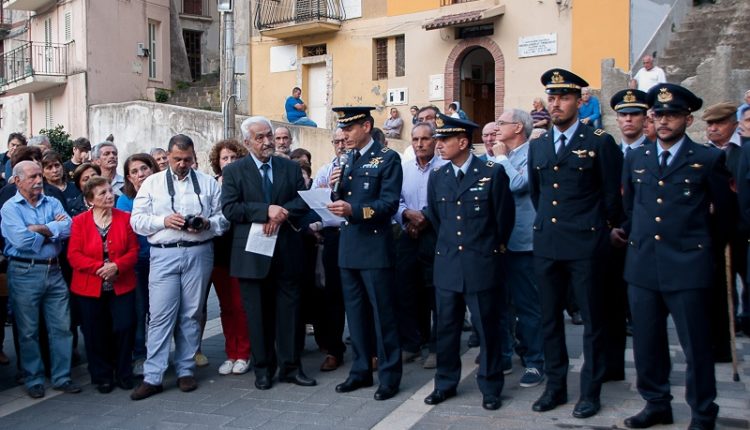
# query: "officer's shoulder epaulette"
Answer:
x=384 y=150
x=706 y=144
x=436 y=169
x=490 y=163
x=599 y=132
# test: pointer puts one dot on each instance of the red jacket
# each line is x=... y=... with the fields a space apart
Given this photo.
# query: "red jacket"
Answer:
x=85 y=253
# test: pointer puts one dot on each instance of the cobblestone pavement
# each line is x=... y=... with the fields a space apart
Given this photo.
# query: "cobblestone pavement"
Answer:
x=233 y=402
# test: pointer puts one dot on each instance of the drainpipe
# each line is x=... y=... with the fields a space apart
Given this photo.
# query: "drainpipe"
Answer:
x=228 y=74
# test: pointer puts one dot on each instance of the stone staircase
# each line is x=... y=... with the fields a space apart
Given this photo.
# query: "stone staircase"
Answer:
x=203 y=94
x=727 y=22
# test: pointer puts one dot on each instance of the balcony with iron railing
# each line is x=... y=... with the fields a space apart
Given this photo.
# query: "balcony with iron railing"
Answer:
x=195 y=8
x=30 y=5
x=33 y=67
x=294 y=18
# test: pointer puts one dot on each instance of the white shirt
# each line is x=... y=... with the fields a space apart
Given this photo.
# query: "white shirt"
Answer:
x=648 y=78
x=152 y=204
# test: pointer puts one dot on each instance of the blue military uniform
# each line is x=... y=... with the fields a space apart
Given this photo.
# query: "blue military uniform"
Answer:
x=473 y=217
x=576 y=192
x=371 y=184
x=669 y=263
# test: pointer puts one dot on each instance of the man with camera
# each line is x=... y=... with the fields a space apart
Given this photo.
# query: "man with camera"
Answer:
x=179 y=210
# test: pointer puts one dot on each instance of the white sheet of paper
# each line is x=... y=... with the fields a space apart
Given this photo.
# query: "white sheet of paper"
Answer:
x=258 y=242
x=318 y=199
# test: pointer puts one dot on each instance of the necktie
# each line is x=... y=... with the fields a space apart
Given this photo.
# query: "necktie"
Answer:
x=356 y=156
x=459 y=175
x=266 y=182
x=627 y=150
x=663 y=164
x=561 y=148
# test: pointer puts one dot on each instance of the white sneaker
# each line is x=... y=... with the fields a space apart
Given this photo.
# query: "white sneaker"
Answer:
x=240 y=367
x=226 y=367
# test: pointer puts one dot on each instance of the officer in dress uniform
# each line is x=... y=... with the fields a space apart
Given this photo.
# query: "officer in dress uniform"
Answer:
x=670 y=189
x=470 y=205
x=369 y=194
x=575 y=187
x=630 y=107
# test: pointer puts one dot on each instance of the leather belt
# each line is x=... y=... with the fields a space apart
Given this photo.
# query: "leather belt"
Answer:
x=45 y=261
x=181 y=244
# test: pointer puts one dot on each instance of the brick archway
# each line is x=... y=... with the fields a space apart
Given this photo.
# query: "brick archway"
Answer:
x=453 y=69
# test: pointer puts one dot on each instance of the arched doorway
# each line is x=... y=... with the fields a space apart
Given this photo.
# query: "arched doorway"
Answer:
x=475 y=77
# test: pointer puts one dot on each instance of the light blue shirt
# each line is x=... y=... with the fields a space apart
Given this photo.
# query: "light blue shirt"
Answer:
x=18 y=214
x=638 y=143
x=465 y=167
x=569 y=133
x=516 y=167
x=674 y=150
x=259 y=163
x=414 y=188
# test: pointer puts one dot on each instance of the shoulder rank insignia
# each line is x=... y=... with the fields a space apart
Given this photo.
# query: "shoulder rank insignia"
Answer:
x=384 y=150
x=696 y=165
x=581 y=153
x=598 y=132
x=436 y=169
x=490 y=163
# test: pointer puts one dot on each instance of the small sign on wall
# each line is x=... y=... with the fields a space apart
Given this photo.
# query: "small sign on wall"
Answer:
x=437 y=88
x=283 y=58
x=538 y=45
x=397 y=96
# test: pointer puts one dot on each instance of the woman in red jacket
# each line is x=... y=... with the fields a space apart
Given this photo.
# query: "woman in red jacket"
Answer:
x=103 y=251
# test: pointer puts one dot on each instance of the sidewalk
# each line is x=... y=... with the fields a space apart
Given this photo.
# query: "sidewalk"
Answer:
x=233 y=402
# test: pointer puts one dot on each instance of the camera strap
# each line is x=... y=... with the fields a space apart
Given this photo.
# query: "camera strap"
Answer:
x=196 y=187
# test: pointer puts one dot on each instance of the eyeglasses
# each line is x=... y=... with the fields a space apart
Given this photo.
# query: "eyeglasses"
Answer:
x=502 y=123
x=669 y=116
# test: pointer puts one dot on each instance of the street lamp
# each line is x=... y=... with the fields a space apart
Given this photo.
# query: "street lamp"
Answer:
x=224 y=6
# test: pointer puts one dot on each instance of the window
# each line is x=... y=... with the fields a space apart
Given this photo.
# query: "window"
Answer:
x=68 y=26
x=313 y=50
x=400 y=56
x=194 y=7
x=153 y=30
x=48 y=121
x=381 y=59
x=47 y=66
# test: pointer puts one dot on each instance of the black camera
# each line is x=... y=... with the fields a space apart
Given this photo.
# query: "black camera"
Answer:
x=195 y=222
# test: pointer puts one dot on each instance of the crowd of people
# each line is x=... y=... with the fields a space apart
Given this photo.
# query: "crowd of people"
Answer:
x=554 y=216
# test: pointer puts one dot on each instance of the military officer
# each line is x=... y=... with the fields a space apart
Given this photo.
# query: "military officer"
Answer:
x=630 y=107
x=470 y=205
x=370 y=189
x=670 y=189
x=575 y=188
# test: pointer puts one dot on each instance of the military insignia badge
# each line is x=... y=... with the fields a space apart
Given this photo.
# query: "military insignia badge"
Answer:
x=557 y=78
x=598 y=132
x=592 y=154
x=439 y=122
x=629 y=97
x=367 y=212
x=490 y=163
x=341 y=114
x=664 y=96
x=696 y=166
x=639 y=171
x=581 y=153
x=485 y=179
x=384 y=150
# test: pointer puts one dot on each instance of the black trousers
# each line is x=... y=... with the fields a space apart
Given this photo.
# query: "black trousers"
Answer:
x=329 y=332
x=650 y=309
x=486 y=308
x=108 y=326
x=370 y=309
x=554 y=277
x=272 y=306
x=615 y=296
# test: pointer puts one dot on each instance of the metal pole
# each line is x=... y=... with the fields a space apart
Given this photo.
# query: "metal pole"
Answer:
x=228 y=74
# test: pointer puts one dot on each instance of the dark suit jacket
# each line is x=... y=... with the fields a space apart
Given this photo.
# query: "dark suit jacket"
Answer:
x=669 y=220
x=473 y=220
x=743 y=181
x=577 y=197
x=373 y=187
x=242 y=204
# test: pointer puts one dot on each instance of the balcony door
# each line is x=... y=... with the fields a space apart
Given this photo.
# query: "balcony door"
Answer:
x=309 y=10
x=193 y=49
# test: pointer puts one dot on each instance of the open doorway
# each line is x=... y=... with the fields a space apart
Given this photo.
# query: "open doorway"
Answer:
x=477 y=87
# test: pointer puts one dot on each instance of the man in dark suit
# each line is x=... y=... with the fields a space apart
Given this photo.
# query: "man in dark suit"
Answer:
x=369 y=194
x=575 y=188
x=470 y=205
x=670 y=189
x=743 y=195
x=262 y=189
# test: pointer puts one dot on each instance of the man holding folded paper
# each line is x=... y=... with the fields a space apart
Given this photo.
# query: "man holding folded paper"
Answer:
x=261 y=191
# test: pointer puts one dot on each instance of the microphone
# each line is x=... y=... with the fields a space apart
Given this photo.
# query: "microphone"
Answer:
x=343 y=159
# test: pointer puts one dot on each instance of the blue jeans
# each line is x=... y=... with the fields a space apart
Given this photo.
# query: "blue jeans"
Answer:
x=34 y=287
x=305 y=121
x=523 y=293
x=141 y=308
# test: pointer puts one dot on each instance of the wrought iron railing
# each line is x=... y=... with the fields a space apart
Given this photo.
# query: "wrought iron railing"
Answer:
x=34 y=58
x=450 y=2
x=275 y=13
x=195 y=7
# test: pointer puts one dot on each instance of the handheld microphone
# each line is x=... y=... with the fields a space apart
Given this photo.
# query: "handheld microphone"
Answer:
x=343 y=159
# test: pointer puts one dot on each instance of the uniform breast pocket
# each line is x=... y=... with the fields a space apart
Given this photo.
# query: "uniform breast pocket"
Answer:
x=366 y=181
x=476 y=205
x=687 y=188
x=582 y=168
x=542 y=171
x=638 y=181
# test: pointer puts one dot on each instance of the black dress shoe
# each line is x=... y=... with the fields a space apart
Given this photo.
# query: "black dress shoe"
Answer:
x=649 y=417
x=576 y=319
x=701 y=425
x=439 y=396
x=299 y=379
x=106 y=388
x=586 y=408
x=491 y=403
x=385 y=392
x=352 y=384
x=125 y=383
x=263 y=382
x=473 y=341
x=550 y=400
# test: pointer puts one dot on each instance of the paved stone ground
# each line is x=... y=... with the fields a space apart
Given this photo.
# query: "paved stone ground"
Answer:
x=233 y=402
